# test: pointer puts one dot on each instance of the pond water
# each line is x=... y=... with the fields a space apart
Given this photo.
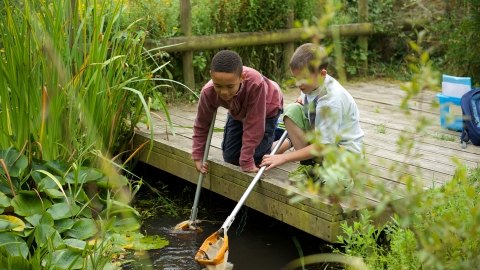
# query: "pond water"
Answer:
x=256 y=241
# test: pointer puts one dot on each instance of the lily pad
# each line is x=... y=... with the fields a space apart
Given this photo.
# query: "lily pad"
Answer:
x=48 y=182
x=64 y=224
x=47 y=219
x=64 y=259
x=75 y=244
x=25 y=205
x=109 y=182
x=127 y=224
x=11 y=223
x=53 y=193
x=85 y=175
x=4 y=200
x=150 y=242
x=45 y=234
x=59 y=167
x=16 y=162
x=5 y=188
x=62 y=210
x=86 y=213
x=123 y=240
x=34 y=219
x=80 y=195
x=83 y=229
x=13 y=245
x=37 y=165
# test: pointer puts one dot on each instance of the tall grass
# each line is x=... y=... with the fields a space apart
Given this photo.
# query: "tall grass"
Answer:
x=70 y=78
x=73 y=86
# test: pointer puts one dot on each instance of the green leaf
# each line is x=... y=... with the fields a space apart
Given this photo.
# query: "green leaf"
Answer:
x=34 y=219
x=4 y=200
x=11 y=223
x=150 y=242
x=53 y=193
x=470 y=191
x=106 y=182
x=80 y=195
x=15 y=263
x=45 y=234
x=47 y=219
x=127 y=224
x=5 y=188
x=25 y=205
x=75 y=244
x=13 y=245
x=84 y=176
x=59 y=167
x=123 y=207
x=86 y=213
x=83 y=229
x=62 y=210
x=16 y=162
x=48 y=182
x=125 y=240
x=64 y=224
x=64 y=259
x=37 y=165
x=105 y=265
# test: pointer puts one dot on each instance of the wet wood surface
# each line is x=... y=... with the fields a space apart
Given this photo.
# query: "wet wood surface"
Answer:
x=382 y=121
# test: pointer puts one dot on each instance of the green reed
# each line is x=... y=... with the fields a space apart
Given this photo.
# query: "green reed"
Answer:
x=70 y=77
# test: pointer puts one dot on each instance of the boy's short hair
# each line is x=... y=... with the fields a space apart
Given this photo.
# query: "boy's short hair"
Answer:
x=309 y=55
x=227 y=61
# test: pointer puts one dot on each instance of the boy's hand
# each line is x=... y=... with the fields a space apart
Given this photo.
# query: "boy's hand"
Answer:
x=272 y=161
x=201 y=169
x=299 y=100
x=254 y=170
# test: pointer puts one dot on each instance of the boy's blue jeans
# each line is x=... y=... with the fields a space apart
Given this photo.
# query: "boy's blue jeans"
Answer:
x=232 y=139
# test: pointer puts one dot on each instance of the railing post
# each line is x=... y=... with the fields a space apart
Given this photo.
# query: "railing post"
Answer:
x=363 y=40
x=288 y=47
x=187 y=57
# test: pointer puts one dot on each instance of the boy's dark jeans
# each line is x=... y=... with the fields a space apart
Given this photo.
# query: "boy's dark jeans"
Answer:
x=232 y=139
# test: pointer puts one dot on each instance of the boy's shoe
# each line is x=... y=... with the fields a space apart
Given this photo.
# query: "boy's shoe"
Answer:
x=303 y=173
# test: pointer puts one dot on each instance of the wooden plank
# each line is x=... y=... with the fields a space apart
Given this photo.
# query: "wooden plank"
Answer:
x=272 y=187
x=209 y=42
x=430 y=166
x=187 y=56
x=218 y=136
x=363 y=40
x=303 y=220
x=288 y=48
x=217 y=139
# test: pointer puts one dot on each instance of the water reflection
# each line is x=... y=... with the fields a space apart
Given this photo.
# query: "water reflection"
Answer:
x=257 y=241
x=264 y=244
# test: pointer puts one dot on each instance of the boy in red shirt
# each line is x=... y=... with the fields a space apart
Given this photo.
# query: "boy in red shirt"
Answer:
x=254 y=104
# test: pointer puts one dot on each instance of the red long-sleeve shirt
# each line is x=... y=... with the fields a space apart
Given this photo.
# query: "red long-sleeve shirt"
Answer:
x=257 y=98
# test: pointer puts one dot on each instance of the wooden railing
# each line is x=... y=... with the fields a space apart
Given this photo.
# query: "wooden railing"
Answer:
x=187 y=44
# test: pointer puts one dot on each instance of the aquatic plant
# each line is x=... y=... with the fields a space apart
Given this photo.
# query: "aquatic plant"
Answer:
x=73 y=85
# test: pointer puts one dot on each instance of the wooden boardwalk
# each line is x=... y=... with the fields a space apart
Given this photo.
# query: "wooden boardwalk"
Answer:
x=378 y=102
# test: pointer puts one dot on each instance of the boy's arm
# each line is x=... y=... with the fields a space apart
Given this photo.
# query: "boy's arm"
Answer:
x=279 y=159
x=201 y=125
x=253 y=126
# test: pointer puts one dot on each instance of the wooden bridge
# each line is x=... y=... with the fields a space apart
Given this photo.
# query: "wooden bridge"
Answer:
x=380 y=119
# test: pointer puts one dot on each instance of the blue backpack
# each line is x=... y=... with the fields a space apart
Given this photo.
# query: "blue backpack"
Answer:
x=470 y=104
